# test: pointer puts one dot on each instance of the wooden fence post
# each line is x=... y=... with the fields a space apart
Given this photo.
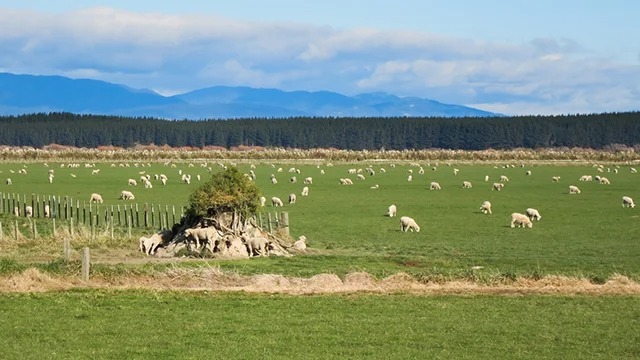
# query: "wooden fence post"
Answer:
x=284 y=222
x=67 y=249
x=15 y=230
x=86 y=258
x=71 y=227
x=0 y=230
x=53 y=221
x=34 y=230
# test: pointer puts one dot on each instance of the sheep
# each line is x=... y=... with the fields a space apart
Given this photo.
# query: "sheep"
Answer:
x=127 y=195
x=308 y=181
x=263 y=201
x=573 y=189
x=410 y=178
x=95 y=171
x=628 y=202
x=520 y=220
x=604 y=181
x=633 y=170
x=466 y=185
x=374 y=187
x=528 y=173
x=300 y=244
x=360 y=177
x=555 y=179
x=132 y=182
x=275 y=201
x=503 y=178
x=455 y=172
x=497 y=186
x=407 y=223
x=305 y=191
x=256 y=245
x=292 y=198
x=293 y=180
x=186 y=179
x=50 y=178
x=47 y=211
x=586 y=178
x=486 y=178
x=202 y=236
x=391 y=212
x=8 y=181
x=486 y=207
x=148 y=245
x=533 y=214
x=96 y=198
x=434 y=186
x=28 y=211
x=274 y=180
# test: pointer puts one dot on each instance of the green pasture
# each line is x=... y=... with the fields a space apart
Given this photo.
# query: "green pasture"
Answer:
x=165 y=325
x=589 y=234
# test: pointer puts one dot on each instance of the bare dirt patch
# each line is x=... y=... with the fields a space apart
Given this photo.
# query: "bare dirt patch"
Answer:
x=214 y=280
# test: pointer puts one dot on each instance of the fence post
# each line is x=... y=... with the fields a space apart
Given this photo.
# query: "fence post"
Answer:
x=284 y=222
x=0 y=230
x=71 y=227
x=137 y=216
x=269 y=222
x=35 y=204
x=173 y=209
x=54 y=226
x=33 y=228
x=153 y=217
x=66 y=207
x=86 y=258
x=15 y=230
x=111 y=223
x=67 y=249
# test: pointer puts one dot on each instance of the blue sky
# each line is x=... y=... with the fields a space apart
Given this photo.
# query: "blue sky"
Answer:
x=514 y=57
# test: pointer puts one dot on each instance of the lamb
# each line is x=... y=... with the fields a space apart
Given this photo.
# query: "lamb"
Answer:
x=300 y=244
x=486 y=207
x=274 y=180
x=586 y=178
x=497 y=186
x=466 y=185
x=95 y=171
x=627 y=202
x=528 y=173
x=573 y=190
x=28 y=211
x=132 y=182
x=292 y=198
x=95 y=198
x=555 y=179
x=486 y=178
x=308 y=181
x=203 y=236
x=360 y=177
x=633 y=170
x=455 y=172
x=435 y=186
x=256 y=245
x=407 y=223
x=604 y=181
x=127 y=195
x=503 y=178
x=263 y=200
x=275 y=201
x=293 y=180
x=149 y=245
x=305 y=191
x=533 y=214
x=521 y=220
x=391 y=212
x=9 y=182
x=47 y=211
x=410 y=178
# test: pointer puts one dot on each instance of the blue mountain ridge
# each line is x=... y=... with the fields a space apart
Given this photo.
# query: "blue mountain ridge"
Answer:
x=26 y=94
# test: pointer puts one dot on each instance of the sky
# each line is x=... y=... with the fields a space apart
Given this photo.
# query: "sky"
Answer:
x=515 y=57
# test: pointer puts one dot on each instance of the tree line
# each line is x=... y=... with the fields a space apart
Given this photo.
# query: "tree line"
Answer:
x=393 y=133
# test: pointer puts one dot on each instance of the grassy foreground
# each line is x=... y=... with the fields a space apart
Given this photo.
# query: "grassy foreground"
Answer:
x=149 y=325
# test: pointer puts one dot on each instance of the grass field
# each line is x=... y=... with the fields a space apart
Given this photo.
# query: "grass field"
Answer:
x=150 y=325
x=588 y=235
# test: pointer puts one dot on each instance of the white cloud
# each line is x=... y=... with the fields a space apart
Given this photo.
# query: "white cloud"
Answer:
x=176 y=53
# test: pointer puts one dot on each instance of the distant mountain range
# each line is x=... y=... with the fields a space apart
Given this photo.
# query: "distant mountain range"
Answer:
x=25 y=94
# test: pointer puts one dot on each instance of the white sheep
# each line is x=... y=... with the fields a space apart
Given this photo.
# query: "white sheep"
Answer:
x=627 y=202
x=407 y=223
x=410 y=178
x=533 y=214
x=47 y=211
x=455 y=172
x=503 y=178
x=573 y=189
x=293 y=180
x=51 y=178
x=360 y=177
x=604 y=181
x=8 y=181
x=305 y=191
x=521 y=220
x=95 y=171
x=528 y=173
x=149 y=245
x=486 y=207
x=96 y=198
x=486 y=178
x=28 y=211
x=275 y=201
x=127 y=195
x=292 y=198
x=434 y=186
x=274 y=180
x=132 y=182
x=392 y=211
x=497 y=186
x=586 y=178
x=203 y=236
x=555 y=179
x=300 y=244
x=308 y=181
x=256 y=245
x=263 y=201
x=466 y=185
x=633 y=170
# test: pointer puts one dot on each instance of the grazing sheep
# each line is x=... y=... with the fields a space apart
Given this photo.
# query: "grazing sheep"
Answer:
x=127 y=195
x=95 y=171
x=503 y=178
x=300 y=244
x=407 y=223
x=604 y=181
x=633 y=170
x=256 y=245
x=627 y=202
x=148 y=245
x=466 y=185
x=573 y=189
x=292 y=198
x=50 y=178
x=533 y=214
x=455 y=172
x=28 y=211
x=374 y=187
x=360 y=177
x=263 y=200
x=486 y=178
x=132 y=182
x=275 y=201
x=95 y=198
x=305 y=191
x=410 y=178
x=8 y=181
x=586 y=178
x=293 y=180
x=497 y=186
x=555 y=179
x=274 y=180
x=391 y=212
x=521 y=220
x=486 y=207
x=308 y=181
x=528 y=173
x=434 y=186
x=47 y=211
x=203 y=236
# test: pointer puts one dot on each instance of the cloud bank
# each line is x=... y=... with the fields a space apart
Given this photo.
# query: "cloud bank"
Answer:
x=173 y=54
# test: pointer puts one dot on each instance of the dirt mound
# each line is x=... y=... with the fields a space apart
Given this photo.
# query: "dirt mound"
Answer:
x=214 y=279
